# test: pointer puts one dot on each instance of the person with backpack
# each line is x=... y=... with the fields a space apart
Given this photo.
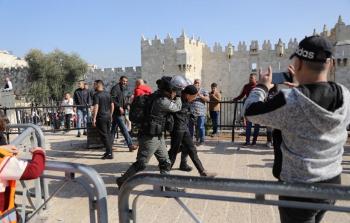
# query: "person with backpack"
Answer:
x=181 y=139
x=151 y=118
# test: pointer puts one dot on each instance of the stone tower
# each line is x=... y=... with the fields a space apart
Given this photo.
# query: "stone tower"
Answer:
x=230 y=67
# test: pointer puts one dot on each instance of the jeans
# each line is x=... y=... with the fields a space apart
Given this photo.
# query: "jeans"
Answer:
x=248 y=131
x=103 y=125
x=269 y=134
x=67 y=118
x=200 y=128
x=119 y=121
x=81 y=118
x=214 y=115
x=188 y=148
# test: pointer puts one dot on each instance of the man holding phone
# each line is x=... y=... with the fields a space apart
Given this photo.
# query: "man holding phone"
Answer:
x=312 y=119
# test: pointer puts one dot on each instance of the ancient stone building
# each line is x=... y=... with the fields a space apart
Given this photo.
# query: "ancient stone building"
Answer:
x=230 y=66
x=110 y=76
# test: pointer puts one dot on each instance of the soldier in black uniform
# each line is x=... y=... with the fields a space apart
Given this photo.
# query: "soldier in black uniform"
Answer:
x=151 y=138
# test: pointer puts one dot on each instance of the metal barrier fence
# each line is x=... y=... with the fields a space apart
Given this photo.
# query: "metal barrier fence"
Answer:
x=91 y=181
x=230 y=116
x=258 y=188
x=53 y=119
x=50 y=118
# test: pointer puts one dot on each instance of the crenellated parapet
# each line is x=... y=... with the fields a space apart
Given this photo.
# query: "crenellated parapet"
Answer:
x=116 y=70
x=182 y=42
x=110 y=76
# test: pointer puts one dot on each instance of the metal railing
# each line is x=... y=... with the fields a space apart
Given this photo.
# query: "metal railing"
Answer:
x=49 y=118
x=259 y=188
x=91 y=181
x=230 y=116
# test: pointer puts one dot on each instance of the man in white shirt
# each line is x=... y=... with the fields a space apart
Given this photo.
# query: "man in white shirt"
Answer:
x=8 y=84
x=68 y=111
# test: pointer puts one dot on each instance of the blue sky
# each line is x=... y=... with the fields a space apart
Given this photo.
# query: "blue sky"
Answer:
x=108 y=32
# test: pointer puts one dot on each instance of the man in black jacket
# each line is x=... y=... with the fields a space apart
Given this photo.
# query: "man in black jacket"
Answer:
x=81 y=99
x=181 y=134
x=118 y=94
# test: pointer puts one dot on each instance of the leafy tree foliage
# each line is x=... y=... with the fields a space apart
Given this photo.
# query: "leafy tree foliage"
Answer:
x=53 y=74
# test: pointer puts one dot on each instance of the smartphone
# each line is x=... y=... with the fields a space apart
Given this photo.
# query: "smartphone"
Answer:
x=280 y=78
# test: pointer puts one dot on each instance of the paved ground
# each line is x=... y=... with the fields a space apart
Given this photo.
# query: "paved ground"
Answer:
x=70 y=205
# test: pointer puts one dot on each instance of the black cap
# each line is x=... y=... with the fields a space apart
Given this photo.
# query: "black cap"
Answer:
x=165 y=84
x=314 y=48
x=190 y=89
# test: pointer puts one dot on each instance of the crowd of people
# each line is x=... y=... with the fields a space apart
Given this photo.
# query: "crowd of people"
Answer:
x=306 y=124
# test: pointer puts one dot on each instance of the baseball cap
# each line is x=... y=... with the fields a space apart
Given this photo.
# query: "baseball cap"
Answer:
x=314 y=48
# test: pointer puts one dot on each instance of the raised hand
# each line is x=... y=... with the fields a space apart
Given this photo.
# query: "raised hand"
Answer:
x=265 y=78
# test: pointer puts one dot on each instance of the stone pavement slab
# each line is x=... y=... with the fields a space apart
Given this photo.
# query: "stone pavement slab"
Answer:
x=223 y=157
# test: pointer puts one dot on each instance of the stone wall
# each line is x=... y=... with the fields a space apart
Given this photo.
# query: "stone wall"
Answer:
x=230 y=67
x=110 y=76
x=18 y=77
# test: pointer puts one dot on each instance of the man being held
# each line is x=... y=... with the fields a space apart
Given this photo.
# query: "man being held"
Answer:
x=118 y=94
x=181 y=137
x=102 y=114
x=312 y=118
x=244 y=94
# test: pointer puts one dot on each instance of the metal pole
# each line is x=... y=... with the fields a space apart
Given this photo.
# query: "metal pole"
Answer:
x=234 y=121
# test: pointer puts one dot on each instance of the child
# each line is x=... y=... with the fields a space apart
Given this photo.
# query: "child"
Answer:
x=12 y=169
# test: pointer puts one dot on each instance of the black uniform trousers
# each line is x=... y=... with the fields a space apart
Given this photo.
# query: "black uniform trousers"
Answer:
x=182 y=141
x=103 y=126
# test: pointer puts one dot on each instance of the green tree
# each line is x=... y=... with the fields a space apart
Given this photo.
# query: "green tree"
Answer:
x=53 y=74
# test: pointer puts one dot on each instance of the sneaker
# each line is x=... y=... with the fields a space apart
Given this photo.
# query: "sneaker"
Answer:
x=253 y=143
x=133 y=147
x=269 y=145
x=186 y=168
x=246 y=144
x=84 y=133
x=107 y=156
x=208 y=174
x=119 y=181
x=78 y=135
x=200 y=143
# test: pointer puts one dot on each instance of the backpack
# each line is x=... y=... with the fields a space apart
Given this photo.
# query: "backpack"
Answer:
x=139 y=109
x=139 y=114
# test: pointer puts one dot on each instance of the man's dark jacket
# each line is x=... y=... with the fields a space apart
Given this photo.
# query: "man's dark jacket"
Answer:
x=81 y=97
x=181 y=118
x=118 y=94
